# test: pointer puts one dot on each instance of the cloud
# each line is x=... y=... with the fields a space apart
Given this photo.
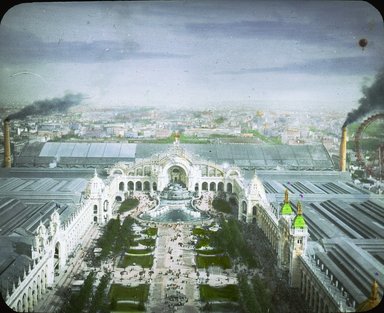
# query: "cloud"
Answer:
x=277 y=30
x=354 y=65
x=18 y=47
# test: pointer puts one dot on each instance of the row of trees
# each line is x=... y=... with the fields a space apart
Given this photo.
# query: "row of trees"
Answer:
x=89 y=299
x=116 y=237
x=230 y=238
x=100 y=302
x=255 y=297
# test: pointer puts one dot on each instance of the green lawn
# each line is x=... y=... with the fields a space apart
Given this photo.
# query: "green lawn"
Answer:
x=128 y=204
x=127 y=308
x=140 y=251
x=210 y=251
x=197 y=231
x=222 y=261
x=120 y=292
x=149 y=242
x=226 y=293
x=203 y=242
x=145 y=261
x=151 y=231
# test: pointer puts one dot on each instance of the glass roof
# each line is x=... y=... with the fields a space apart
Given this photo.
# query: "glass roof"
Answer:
x=243 y=155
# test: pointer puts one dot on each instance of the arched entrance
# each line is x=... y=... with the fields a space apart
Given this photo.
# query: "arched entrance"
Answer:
x=56 y=259
x=176 y=174
x=229 y=188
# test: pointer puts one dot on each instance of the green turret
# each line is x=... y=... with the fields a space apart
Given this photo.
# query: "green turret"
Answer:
x=298 y=221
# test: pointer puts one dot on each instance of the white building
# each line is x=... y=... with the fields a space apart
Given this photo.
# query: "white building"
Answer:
x=43 y=220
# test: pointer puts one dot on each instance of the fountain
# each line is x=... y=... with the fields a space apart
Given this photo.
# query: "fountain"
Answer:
x=175 y=205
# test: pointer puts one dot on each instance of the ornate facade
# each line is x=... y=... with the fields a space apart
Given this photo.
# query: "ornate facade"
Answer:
x=53 y=241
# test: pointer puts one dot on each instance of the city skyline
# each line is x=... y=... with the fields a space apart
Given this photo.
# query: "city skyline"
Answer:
x=296 y=55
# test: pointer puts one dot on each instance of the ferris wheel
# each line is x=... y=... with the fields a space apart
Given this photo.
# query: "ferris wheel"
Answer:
x=369 y=145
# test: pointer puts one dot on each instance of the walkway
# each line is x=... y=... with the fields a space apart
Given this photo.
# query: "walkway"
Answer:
x=174 y=287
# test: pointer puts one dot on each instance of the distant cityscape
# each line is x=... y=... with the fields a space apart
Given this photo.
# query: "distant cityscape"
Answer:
x=154 y=125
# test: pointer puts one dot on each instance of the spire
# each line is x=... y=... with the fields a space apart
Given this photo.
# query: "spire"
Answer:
x=286 y=209
x=95 y=175
x=299 y=209
x=374 y=291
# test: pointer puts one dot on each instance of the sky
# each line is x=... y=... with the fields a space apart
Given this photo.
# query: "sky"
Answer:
x=301 y=55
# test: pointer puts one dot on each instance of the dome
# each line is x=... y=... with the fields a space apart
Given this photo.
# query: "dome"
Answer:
x=286 y=209
x=372 y=301
x=298 y=221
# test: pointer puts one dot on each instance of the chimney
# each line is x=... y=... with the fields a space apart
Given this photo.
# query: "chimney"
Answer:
x=7 y=144
x=343 y=149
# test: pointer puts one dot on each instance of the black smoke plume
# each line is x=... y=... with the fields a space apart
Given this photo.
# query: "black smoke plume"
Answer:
x=48 y=106
x=372 y=101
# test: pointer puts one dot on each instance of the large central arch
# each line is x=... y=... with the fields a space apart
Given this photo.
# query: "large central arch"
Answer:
x=176 y=174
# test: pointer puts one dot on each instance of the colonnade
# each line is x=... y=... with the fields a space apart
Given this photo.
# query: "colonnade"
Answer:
x=314 y=295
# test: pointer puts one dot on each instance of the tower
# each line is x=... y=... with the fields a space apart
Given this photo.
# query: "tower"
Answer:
x=298 y=244
x=286 y=216
x=95 y=190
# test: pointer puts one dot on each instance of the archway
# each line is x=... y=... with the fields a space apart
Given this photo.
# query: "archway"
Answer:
x=121 y=186
x=147 y=186
x=138 y=186
x=233 y=202
x=131 y=186
x=118 y=198
x=176 y=174
x=204 y=186
x=244 y=207
x=212 y=186
x=154 y=186
x=229 y=188
x=25 y=303
x=220 y=186
x=106 y=205
x=56 y=259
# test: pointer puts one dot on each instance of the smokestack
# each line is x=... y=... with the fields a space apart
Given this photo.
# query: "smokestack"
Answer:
x=7 y=144
x=343 y=149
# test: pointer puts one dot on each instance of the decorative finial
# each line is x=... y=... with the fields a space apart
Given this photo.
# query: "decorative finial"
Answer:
x=299 y=209
x=286 y=196
x=374 y=290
